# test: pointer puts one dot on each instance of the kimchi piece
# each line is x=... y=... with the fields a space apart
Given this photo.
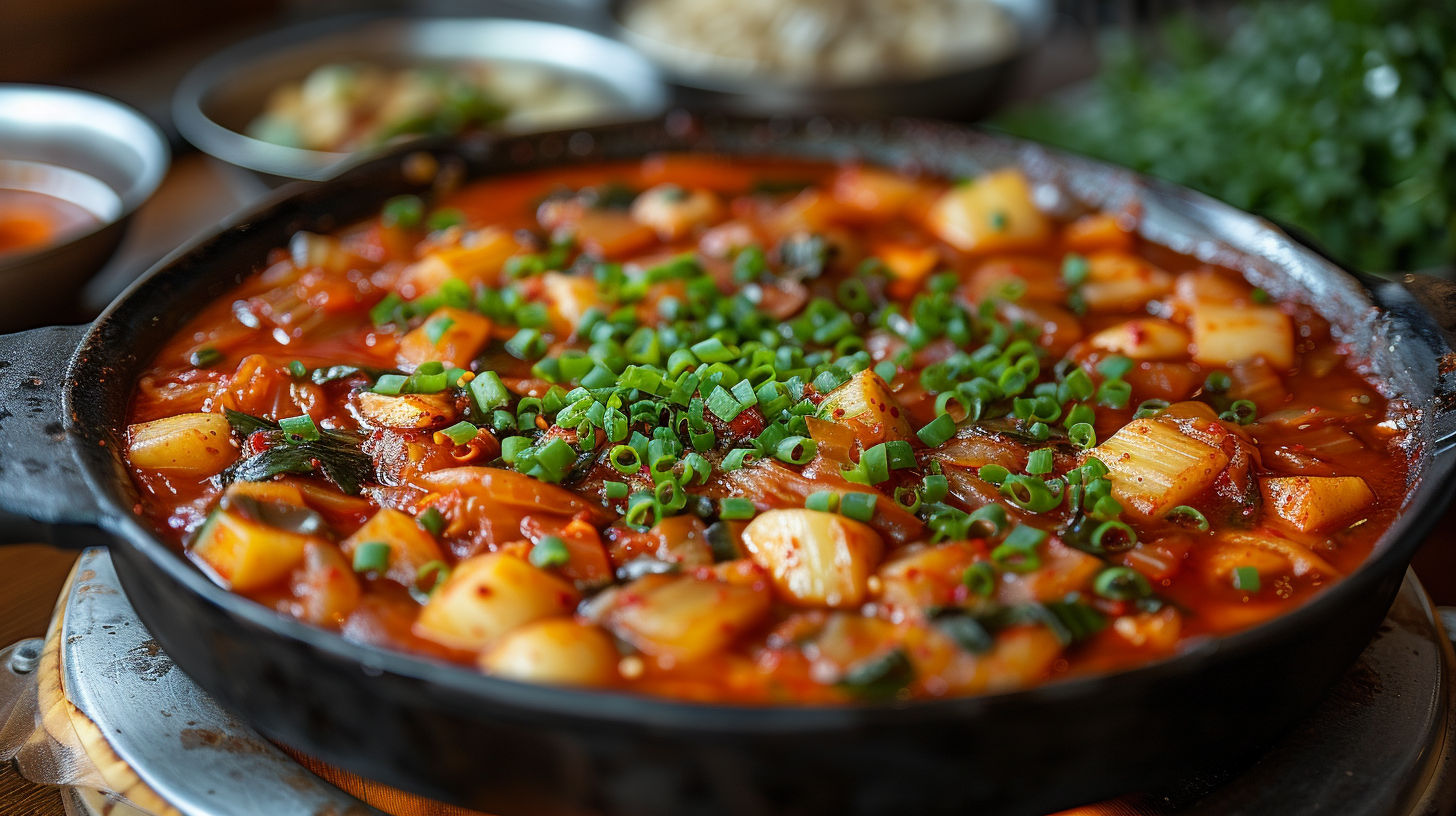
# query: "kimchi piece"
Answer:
x=762 y=432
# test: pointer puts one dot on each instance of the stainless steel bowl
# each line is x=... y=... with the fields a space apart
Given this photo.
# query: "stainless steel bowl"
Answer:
x=962 y=92
x=89 y=150
x=219 y=97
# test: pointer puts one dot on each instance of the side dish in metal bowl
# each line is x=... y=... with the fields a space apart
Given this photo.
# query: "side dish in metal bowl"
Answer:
x=762 y=431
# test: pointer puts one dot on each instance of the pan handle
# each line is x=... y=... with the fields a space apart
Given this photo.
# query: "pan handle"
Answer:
x=43 y=496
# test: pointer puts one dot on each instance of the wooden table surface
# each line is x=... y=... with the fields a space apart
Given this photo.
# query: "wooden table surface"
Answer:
x=31 y=577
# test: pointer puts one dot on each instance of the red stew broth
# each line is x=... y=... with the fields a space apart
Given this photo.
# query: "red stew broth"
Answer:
x=1316 y=418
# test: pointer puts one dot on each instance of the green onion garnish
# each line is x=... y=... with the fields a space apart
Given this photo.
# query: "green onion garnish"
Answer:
x=371 y=556
x=1246 y=578
x=1188 y=517
x=1039 y=462
x=300 y=428
x=298 y=370
x=205 y=357
x=1121 y=584
x=1114 y=536
x=549 y=552
x=461 y=432
x=736 y=509
x=825 y=501
x=980 y=578
x=1082 y=435
x=445 y=218
x=1016 y=559
x=390 y=384
x=796 y=450
x=431 y=521
x=858 y=506
x=404 y=211
x=1218 y=382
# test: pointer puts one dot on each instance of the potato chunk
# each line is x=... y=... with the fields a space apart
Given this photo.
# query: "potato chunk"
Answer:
x=865 y=406
x=1156 y=467
x=922 y=577
x=875 y=193
x=1119 y=282
x=410 y=412
x=1224 y=335
x=684 y=617
x=326 y=587
x=990 y=213
x=1316 y=504
x=478 y=259
x=675 y=212
x=815 y=558
x=556 y=651
x=570 y=296
x=198 y=445
x=488 y=596
x=246 y=555
x=450 y=336
x=1144 y=339
x=410 y=547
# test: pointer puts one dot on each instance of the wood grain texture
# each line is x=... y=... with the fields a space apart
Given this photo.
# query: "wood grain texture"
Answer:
x=31 y=577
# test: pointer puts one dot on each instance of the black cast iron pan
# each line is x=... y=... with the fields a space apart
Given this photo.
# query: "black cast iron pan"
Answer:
x=521 y=750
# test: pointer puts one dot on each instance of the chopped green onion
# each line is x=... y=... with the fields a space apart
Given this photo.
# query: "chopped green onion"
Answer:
x=1075 y=269
x=404 y=211
x=1039 y=462
x=1246 y=578
x=858 y=506
x=512 y=447
x=1218 y=382
x=1082 y=435
x=796 y=450
x=1016 y=559
x=300 y=428
x=1149 y=408
x=738 y=458
x=1030 y=493
x=527 y=344
x=1113 y=536
x=936 y=487
x=736 y=508
x=625 y=459
x=550 y=552
x=938 y=431
x=723 y=405
x=390 y=384
x=1114 y=394
x=991 y=518
x=1188 y=517
x=1025 y=537
x=980 y=578
x=439 y=569
x=616 y=490
x=1114 y=367
x=825 y=501
x=371 y=556
x=298 y=369
x=431 y=521
x=994 y=474
x=445 y=218
x=1121 y=584
x=205 y=357
x=436 y=327
x=489 y=392
x=461 y=432
x=1242 y=412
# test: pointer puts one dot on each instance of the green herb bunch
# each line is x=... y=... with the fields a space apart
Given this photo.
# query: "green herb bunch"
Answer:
x=1338 y=118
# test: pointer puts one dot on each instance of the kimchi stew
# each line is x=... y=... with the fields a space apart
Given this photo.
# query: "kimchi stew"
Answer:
x=762 y=432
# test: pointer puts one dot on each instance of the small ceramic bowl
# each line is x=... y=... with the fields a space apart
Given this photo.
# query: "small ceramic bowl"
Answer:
x=217 y=100
x=98 y=156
